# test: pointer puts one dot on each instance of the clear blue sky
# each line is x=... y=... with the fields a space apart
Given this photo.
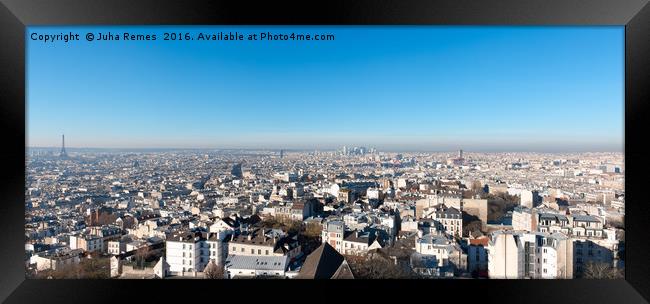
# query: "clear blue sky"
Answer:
x=400 y=88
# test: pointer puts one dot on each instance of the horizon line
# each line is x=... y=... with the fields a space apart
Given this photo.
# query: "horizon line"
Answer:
x=325 y=149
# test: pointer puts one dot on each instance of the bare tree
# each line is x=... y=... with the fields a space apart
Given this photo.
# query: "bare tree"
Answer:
x=477 y=187
x=142 y=254
x=600 y=270
x=95 y=268
x=212 y=271
x=376 y=266
x=312 y=230
x=310 y=236
x=106 y=218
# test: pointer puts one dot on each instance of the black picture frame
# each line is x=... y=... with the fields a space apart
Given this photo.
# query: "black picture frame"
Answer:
x=15 y=15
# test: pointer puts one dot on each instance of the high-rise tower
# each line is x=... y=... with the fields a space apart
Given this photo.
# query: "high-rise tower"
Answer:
x=63 y=153
x=237 y=171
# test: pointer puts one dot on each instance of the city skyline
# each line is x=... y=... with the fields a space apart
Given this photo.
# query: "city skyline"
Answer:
x=538 y=89
x=327 y=149
x=62 y=149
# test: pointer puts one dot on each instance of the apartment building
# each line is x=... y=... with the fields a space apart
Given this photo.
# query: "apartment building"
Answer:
x=85 y=242
x=439 y=246
x=56 y=260
x=447 y=219
x=333 y=233
x=477 y=256
x=524 y=219
x=264 y=242
x=539 y=255
x=189 y=251
x=360 y=242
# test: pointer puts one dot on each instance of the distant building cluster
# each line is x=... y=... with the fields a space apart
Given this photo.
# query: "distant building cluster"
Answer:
x=302 y=215
x=345 y=150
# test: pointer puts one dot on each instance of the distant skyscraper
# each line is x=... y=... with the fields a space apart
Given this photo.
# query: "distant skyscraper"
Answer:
x=281 y=153
x=63 y=153
x=458 y=161
x=237 y=171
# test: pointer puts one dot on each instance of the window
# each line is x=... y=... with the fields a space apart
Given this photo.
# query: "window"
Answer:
x=183 y=254
x=234 y=248
x=252 y=251
x=267 y=252
x=242 y=249
x=259 y=251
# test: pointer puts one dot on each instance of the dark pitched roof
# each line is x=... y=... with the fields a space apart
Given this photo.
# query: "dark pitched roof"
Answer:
x=344 y=271
x=234 y=223
x=257 y=237
x=360 y=237
x=323 y=263
x=185 y=236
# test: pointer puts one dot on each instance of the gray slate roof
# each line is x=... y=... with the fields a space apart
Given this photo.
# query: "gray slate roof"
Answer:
x=278 y=263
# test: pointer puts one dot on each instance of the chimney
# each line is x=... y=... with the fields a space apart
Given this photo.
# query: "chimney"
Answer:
x=249 y=236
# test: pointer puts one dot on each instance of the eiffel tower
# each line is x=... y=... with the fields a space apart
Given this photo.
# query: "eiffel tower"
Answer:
x=63 y=154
